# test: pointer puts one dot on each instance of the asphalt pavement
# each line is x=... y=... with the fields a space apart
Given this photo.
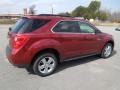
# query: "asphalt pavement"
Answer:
x=91 y=73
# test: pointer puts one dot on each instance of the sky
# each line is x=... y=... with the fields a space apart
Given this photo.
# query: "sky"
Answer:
x=45 y=6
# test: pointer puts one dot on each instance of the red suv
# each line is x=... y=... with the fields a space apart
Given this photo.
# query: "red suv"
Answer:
x=42 y=41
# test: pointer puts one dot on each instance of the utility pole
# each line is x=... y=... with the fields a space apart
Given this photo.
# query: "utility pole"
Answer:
x=53 y=5
x=52 y=11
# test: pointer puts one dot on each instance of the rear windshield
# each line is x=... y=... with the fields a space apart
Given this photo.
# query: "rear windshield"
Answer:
x=25 y=25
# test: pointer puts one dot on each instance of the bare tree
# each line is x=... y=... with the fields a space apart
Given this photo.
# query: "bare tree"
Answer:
x=32 y=10
x=115 y=17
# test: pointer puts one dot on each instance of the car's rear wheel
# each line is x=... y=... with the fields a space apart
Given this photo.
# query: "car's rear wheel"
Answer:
x=45 y=64
x=107 y=50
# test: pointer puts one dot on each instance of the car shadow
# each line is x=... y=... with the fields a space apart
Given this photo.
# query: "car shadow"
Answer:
x=68 y=64
x=114 y=52
x=77 y=62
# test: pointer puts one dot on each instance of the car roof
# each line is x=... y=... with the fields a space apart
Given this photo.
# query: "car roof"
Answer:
x=52 y=17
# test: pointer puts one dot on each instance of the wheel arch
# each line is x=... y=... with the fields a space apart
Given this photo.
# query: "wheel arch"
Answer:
x=49 y=50
x=110 y=41
x=105 y=43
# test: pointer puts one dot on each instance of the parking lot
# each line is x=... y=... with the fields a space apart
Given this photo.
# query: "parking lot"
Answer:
x=91 y=73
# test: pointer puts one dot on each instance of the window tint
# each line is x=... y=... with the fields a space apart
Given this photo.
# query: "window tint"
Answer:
x=38 y=23
x=67 y=26
x=26 y=25
x=85 y=28
x=18 y=25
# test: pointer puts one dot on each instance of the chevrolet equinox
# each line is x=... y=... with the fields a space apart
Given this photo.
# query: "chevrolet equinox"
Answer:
x=42 y=41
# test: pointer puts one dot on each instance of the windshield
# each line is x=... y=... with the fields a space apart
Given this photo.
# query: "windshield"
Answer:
x=25 y=25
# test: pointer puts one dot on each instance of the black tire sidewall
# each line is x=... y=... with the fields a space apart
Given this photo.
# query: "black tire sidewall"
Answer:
x=38 y=59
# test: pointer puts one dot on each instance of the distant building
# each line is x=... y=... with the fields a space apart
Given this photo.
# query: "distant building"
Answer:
x=80 y=18
x=25 y=11
x=10 y=16
x=14 y=16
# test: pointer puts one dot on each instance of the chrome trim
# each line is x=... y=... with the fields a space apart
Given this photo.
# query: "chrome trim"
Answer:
x=66 y=32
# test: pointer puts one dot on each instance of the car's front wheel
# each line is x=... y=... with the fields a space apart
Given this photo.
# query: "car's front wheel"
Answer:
x=45 y=64
x=107 y=50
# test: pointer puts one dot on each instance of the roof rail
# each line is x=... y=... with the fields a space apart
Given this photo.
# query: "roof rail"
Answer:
x=53 y=15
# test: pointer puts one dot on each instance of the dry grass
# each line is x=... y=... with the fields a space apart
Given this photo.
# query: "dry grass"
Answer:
x=106 y=24
x=7 y=21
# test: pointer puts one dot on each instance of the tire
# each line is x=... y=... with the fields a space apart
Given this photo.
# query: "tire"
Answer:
x=45 y=64
x=107 y=51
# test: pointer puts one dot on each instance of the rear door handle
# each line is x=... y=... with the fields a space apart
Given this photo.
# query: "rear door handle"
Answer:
x=99 y=39
x=89 y=38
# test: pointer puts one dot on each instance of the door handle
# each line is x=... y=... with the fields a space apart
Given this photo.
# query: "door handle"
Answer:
x=99 y=39
x=89 y=38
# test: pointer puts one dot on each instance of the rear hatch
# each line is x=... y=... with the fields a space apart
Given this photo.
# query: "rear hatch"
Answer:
x=25 y=25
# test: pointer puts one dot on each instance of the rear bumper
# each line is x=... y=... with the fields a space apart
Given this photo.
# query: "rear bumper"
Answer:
x=19 y=59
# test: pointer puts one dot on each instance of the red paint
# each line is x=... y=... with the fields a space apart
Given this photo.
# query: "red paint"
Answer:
x=23 y=47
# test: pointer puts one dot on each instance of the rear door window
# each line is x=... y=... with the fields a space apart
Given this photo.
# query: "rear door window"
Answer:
x=26 y=25
x=67 y=27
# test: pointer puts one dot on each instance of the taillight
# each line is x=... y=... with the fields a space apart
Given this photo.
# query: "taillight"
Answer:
x=19 y=41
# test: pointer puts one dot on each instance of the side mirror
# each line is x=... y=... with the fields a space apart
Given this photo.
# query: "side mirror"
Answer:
x=97 y=31
x=10 y=28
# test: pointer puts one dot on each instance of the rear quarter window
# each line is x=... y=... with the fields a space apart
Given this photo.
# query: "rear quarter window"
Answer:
x=26 y=25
